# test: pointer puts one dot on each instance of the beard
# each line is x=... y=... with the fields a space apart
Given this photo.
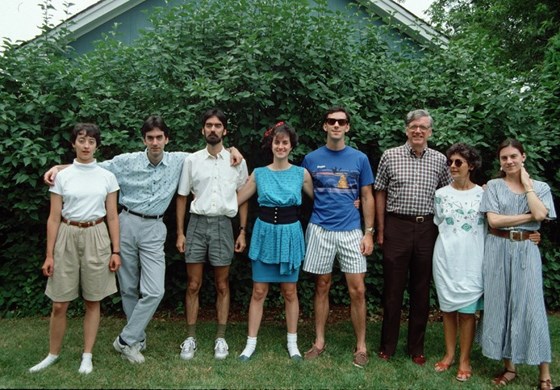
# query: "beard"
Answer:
x=213 y=139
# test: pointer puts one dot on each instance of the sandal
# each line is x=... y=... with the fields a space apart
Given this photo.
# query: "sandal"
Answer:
x=441 y=366
x=463 y=375
x=545 y=384
x=505 y=377
x=314 y=352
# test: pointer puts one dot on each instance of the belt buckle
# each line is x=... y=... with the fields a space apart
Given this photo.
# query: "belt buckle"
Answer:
x=419 y=219
x=514 y=235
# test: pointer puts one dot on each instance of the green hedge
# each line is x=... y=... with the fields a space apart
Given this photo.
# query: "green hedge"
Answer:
x=260 y=61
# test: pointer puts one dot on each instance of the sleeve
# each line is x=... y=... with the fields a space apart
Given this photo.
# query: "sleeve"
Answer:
x=243 y=175
x=184 y=187
x=112 y=184
x=489 y=202
x=366 y=173
x=58 y=184
x=545 y=195
x=382 y=179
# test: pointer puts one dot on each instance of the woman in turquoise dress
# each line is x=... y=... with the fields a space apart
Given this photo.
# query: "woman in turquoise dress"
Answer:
x=277 y=245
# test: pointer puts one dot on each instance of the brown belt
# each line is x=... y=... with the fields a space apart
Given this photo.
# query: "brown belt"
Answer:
x=83 y=224
x=413 y=218
x=514 y=235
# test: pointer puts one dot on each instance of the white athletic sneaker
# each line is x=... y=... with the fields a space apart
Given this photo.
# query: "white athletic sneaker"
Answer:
x=143 y=345
x=188 y=348
x=220 y=349
x=131 y=353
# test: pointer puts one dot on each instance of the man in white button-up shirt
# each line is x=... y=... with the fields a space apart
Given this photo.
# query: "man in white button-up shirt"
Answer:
x=214 y=183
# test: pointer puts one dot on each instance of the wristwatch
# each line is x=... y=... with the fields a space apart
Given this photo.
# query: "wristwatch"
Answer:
x=370 y=230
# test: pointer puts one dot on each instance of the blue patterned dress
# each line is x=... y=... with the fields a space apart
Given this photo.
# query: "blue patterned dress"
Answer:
x=515 y=325
x=277 y=251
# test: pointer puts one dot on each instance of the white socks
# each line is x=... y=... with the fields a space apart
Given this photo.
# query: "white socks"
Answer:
x=86 y=366
x=250 y=347
x=292 y=345
x=50 y=359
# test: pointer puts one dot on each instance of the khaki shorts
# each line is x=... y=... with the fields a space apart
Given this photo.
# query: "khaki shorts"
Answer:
x=81 y=258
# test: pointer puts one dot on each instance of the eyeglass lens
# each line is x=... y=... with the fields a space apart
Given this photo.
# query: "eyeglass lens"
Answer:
x=341 y=122
x=457 y=162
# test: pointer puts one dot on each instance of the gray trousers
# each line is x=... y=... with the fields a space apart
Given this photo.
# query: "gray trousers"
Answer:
x=142 y=272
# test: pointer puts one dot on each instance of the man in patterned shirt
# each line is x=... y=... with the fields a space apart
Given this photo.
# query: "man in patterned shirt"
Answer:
x=147 y=180
x=407 y=179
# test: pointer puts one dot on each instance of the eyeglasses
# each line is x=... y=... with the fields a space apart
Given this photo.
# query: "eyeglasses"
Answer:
x=458 y=163
x=421 y=127
x=341 y=122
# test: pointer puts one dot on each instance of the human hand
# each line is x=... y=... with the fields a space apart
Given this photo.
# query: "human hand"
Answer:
x=236 y=157
x=366 y=245
x=49 y=176
x=48 y=266
x=180 y=244
x=115 y=262
x=240 y=243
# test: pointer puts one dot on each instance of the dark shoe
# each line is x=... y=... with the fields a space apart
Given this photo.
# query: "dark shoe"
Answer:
x=419 y=359
x=505 y=377
x=244 y=358
x=314 y=352
x=360 y=359
x=383 y=356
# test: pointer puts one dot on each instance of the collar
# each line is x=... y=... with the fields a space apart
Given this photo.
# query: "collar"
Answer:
x=222 y=154
x=410 y=151
x=90 y=165
x=147 y=162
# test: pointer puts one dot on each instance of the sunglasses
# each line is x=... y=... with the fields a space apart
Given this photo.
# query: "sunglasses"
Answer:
x=458 y=163
x=332 y=121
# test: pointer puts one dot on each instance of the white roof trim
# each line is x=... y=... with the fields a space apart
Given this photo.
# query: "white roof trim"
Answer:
x=96 y=15
x=412 y=25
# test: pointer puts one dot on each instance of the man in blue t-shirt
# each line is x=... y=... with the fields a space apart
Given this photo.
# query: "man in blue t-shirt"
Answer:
x=341 y=175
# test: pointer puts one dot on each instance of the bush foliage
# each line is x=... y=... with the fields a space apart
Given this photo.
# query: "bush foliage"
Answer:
x=261 y=61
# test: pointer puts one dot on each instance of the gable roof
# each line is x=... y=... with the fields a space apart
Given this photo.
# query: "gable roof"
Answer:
x=106 y=10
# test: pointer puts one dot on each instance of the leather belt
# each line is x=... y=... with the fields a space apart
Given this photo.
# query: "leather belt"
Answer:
x=140 y=214
x=413 y=218
x=83 y=224
x=513 y=235
x=279 y=215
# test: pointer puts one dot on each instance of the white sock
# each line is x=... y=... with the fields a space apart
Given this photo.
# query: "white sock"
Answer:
x=86 y=366
x=292 y=345
x=250 y=347
x=50 y=359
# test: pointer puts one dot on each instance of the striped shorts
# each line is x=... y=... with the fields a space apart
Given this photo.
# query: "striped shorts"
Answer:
x=323 y=246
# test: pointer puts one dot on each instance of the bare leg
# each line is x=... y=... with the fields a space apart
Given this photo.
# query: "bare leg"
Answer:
x=57 y=326
x=466 y=336
x=194 y=281
x=91 y=324
x=321 y=303
x=260 y=291
x=289 y=292
x=450 y=337
x=221 y=278
x=357 y=290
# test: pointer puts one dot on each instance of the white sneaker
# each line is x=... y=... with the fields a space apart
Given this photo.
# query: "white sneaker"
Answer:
x=221 y=349
x=188 y=348
x=131 y=353
x=142 y=345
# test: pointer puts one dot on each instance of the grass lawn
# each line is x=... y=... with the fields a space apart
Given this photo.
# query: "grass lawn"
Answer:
x=24 y=342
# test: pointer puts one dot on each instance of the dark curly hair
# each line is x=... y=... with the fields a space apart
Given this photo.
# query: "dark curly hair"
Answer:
x=468 y=153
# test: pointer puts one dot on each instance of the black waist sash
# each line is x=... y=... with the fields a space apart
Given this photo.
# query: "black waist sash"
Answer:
x=279 y=215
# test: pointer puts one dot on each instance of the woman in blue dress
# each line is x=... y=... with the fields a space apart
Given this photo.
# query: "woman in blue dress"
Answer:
x=515 y=326
x=277 y=245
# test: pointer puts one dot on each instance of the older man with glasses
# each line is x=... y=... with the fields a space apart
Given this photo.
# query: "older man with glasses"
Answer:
x=407 y=178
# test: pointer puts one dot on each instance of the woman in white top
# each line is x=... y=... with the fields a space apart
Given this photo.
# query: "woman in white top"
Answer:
x=458 y=254
x=82 y=251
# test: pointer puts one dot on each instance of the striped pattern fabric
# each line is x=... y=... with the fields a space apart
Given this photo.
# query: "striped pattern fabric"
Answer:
x=515 y=324
x=410 y=181
x=323 y=246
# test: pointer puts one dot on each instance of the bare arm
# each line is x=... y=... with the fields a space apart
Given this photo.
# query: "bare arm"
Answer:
x=49 y=176
x=308 y=184
x=53 y=224
x=181 y=210
x=368 y=211
x=114 y=230
x=380 y=203
x=537 y=207
x=240 y=243
x=498 y=221
x=248 y=190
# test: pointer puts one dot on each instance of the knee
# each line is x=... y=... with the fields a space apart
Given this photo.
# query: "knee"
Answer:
x=322 y=286
x=259 y=293
x=59 y=308
x=222 y=287
x=193 y=286
x=357 y=292
x=290 y=294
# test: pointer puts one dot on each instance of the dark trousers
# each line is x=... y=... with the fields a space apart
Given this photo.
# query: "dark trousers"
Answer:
x=407 y=254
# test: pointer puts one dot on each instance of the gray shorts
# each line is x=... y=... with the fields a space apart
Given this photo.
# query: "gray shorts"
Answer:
x=209 y=237
x=323 y=246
